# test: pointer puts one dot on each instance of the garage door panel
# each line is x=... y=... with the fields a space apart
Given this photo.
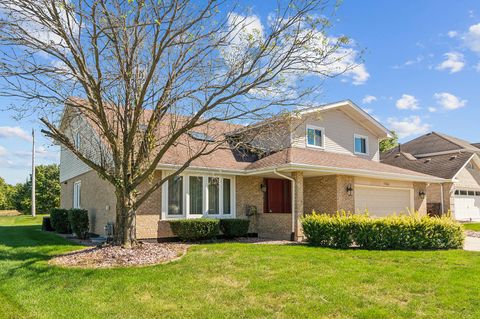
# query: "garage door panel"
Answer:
x=382 y=201
x=467 y=207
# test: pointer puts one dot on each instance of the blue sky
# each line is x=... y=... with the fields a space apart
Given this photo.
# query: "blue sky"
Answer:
x=422 y=71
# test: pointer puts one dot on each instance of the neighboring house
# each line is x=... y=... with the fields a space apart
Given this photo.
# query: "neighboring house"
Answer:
x=447 y=157
x=324 y=159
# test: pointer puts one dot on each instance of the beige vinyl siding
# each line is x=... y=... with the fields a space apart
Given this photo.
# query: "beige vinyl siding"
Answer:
x=468 y=178
x=339 y=133
x=70 y=165
x=90 y=146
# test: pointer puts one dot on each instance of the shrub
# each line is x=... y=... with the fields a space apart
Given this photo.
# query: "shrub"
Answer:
x=59 y=220
x=46 y=224
x=78 y=219
x=234 y=227
x=195 y=229
x=394 y=232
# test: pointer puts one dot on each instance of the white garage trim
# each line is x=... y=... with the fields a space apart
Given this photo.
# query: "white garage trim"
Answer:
x=410 y=190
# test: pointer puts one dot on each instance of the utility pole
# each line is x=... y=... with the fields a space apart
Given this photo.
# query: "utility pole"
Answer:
x=33 y=173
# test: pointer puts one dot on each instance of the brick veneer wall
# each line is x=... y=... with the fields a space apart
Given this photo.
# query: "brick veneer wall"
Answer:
x=420 y=204
x=265 y=224
x=327 y=194
x=96 y=195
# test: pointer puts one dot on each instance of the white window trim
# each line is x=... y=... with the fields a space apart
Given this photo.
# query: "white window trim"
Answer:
x=186 y=197
x=77 y=196
x=355 y=136
x=77 y=140
x=314 y=127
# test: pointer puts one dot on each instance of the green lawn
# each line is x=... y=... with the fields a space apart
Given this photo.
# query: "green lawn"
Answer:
x=472 y=226
x=237 y=281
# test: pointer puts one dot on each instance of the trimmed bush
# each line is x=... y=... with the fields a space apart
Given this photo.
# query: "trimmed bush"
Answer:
x=395 y=232
x=78 y=219
x=195 y=229
x=234 y=227
x=46 y=224
x=59 y=220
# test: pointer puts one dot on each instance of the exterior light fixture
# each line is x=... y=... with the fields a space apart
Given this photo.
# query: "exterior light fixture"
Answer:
x=349 y=189
x=263 y=187
x=421 y=194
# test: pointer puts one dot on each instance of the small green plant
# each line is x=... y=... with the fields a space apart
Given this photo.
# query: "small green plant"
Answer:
x=195 y=229
x=78 y=219
x=234 y=227
x=344 y=230
x=59 y=220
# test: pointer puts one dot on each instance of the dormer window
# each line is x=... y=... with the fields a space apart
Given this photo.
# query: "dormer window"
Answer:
x=315 y=136
x=361 y=144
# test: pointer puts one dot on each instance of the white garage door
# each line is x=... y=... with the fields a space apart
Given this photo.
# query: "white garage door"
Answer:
x=380 y=201
x=467 y=205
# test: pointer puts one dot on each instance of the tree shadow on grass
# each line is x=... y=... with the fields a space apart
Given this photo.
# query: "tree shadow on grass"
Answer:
x=29 y=237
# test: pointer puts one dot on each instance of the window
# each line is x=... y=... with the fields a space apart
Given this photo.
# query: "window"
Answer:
x=457 y=192
x=463 y=192
x=477 y=193
x=278 y=197
x=213 y=195
x=315 y=136
x=194 y=196
x=471 y=193
x=77 y=140
x=361 y=144
x=227 y=195
x=76 y=194
x=175 y=196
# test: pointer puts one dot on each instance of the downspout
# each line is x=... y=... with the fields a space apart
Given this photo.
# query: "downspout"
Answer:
x=293 y=199
x=441 y=199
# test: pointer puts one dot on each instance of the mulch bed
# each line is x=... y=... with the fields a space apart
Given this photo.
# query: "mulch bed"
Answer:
x=108 y=256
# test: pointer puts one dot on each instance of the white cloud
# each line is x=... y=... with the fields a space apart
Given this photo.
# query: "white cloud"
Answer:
x=432 y=109
x=408 y=126
x=3 y=151
x=472 y=38
x=454 y=62
x=369 y=99
x=452 y=34
x=10 y=131
x=449 y=101
x=246 y=33
x=477 y=67
x=407 y=102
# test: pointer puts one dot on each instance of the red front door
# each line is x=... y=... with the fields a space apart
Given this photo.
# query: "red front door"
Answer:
x=278 y=196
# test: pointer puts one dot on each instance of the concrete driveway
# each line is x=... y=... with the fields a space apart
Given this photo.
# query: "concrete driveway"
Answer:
x=472 y=244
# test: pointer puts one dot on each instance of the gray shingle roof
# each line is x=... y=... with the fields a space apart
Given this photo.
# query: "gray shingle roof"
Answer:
x=454 y=153
x=444 y=166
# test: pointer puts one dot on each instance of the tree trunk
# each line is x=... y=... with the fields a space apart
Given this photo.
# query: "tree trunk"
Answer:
x=124 y=230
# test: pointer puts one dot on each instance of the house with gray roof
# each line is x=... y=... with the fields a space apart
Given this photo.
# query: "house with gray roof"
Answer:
x=324 y=158
x=453 y=159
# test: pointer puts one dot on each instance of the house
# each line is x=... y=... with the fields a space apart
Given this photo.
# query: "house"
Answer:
x=447 y=157
x=324 y=159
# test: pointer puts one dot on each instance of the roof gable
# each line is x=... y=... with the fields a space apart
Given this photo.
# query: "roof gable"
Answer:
x=356 y=113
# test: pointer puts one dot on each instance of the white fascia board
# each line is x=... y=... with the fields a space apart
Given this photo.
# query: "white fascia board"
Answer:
x=312 y=168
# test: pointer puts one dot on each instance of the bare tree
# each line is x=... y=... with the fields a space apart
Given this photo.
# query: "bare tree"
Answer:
x=150 y=72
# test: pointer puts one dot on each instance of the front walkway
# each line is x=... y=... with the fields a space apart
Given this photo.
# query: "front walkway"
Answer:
x=472 y=243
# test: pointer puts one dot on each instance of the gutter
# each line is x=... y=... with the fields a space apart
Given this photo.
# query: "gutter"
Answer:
x=315 y=168
x=293 y=199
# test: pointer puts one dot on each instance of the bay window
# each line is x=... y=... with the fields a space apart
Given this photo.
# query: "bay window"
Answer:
x=194 y=196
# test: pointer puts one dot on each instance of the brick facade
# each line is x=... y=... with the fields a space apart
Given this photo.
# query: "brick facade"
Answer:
x=96 y=195
x=323 y=194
